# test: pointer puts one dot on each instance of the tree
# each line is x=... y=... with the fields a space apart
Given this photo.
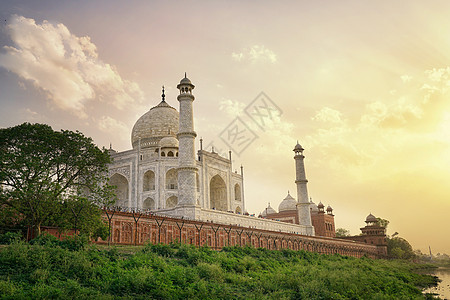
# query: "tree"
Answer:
x=400 y=248
x=42 y=170
x=341 y=232
x=383 y=222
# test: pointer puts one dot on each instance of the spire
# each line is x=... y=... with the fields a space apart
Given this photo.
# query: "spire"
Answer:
x=163 y=96
x=185 y=75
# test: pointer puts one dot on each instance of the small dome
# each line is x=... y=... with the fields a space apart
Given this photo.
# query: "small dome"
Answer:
x=159 y=122
x=298 y=147
x=168 y=142
x=320 y=205
x=371 y=218
x=288 y=203
x=185 y=80
x=313 y=206
x=268 y=211
x=329 y=208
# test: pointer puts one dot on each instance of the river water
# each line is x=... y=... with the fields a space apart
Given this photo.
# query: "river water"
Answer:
x=443 y=288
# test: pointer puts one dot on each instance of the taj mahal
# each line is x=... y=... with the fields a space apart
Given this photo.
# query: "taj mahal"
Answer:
x=163 y=173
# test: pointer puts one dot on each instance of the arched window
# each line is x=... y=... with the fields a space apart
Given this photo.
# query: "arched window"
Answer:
x=172 y=179
x=218 y=194
x=149 y=181
x=171 y=202
x=162 y=153
x=149 y=203
x=237 y=192
x=170 y=153
x=121 y=184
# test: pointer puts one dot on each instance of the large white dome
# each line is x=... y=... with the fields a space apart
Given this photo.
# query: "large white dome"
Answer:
x=159 y=122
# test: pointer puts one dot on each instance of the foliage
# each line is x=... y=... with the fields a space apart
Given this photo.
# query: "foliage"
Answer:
x=181 y=271
x=43 y=172
x=73 y=243
x=10 y=238
x=399 y=248
x=341 y=232
x=383 y=222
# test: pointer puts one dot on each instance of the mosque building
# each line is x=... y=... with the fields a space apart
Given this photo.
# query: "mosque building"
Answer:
x=162 y=173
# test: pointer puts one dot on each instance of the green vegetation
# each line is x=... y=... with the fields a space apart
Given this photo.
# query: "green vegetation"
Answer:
x=342 y=232
x=52 y=178
x=47 y=270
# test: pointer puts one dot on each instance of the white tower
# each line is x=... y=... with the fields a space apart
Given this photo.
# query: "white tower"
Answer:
x=304 y=214
x=187 y=170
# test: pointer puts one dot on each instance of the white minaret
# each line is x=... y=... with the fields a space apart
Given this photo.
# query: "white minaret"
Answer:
x=304 y=214
x=187 y=170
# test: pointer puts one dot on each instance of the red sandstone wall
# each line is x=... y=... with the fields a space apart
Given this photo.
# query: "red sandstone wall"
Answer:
x=159 y=229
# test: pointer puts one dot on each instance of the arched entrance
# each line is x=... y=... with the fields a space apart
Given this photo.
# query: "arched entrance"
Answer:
x=149 y=181
x=218 y=194
x=121 y=184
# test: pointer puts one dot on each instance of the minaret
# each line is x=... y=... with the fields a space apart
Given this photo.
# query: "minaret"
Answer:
x=304 y=214
x=187 y=170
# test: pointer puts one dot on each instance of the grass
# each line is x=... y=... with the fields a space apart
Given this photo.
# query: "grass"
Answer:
x=185 y=272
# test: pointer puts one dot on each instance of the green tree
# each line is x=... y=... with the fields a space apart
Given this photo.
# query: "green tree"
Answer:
x=383 y=222
x=42 y=171
x=341 y=232
x=400 y=248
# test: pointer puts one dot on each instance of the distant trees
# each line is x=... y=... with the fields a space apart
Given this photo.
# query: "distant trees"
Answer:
x=341 y=232
x=52 y=177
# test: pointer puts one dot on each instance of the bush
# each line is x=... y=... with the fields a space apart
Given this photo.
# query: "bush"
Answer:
x=74 y=242
x=10 y=237
x=45 y=239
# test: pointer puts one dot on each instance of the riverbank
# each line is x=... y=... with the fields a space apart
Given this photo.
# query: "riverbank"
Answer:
x=185 y=272
x=442 y=289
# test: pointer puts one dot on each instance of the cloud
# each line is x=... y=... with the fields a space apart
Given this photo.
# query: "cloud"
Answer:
x=65 y=66
x=254 y=54
x=389 y=131
x=113 y=126
x=231 y=108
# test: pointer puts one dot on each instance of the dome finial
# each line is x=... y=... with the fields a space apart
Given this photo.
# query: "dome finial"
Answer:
x=163 y=96
x=185 y=76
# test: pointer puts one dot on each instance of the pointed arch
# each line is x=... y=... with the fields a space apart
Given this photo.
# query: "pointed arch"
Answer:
x=218 y=193
x=171 y=201
x=237 y=192
x=149 y=181
x=172 y=179
x=122 y=188
x=149 y=203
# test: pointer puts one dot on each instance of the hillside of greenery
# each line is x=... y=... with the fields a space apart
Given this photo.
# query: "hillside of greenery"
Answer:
x=55 y=270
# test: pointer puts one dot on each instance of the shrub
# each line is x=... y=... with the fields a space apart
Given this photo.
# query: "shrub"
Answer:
x=10 y=237
x=74 y=243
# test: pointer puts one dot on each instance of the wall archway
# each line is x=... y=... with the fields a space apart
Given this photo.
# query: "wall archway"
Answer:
x=149 y=203
x=171 y=201
x=149 y=181
x=218 y=194
x=122 y=189
x=237 y=192
x=172 y=179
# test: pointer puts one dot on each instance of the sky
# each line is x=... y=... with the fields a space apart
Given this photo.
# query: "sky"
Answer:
x=363 y=86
